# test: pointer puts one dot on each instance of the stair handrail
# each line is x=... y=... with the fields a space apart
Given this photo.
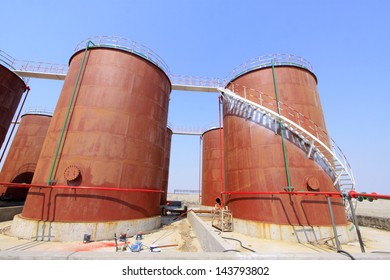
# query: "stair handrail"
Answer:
x=344 y=164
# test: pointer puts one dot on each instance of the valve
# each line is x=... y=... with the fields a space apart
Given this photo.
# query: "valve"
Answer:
x=370 y=199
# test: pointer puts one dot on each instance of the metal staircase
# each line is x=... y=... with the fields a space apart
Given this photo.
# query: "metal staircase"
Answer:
x=334 y=158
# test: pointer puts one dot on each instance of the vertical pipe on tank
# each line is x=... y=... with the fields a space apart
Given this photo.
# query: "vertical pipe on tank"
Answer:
x=281 y=129
x=221 y=151
x=167 y=156
x=67 y=114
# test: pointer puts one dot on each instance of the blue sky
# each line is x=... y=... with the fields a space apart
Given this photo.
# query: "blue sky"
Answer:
x=347 y=42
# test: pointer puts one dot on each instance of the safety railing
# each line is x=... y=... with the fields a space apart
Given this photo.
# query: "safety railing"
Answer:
x=266 y=61
x=127 y=45
x=6 y=60
x=41 y=67
x=191 y=130
x=196 y=81
x=329 y=151
x=187 y=130
x=42 y=110
x=10 y=63
x=147 y=53
x=185 y=191
x=269 y=101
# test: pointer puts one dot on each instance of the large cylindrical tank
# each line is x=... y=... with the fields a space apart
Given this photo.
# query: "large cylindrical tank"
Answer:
x=254 y=155
x=22 y=158
x=11 y=90
x=211 y=166
x=167 y=158
x=114 y=138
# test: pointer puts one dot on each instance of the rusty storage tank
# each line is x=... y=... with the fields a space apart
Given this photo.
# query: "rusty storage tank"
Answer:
x=254 y=158
x=22 y=158
x=114 y=104
x=167 y=157
x=11 y=90
x=211 y=166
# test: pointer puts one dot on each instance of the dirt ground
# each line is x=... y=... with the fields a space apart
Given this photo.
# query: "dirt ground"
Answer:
x=176 y=235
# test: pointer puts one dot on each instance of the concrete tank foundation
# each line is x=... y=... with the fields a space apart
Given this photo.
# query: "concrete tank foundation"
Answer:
x=62 y=231
x=295 y=233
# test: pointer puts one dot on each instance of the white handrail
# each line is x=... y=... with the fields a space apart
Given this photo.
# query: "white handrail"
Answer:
x=127 y=45
x=10 y=63
x=309 y=137
x=40 y=67
x=267 y=61
x=39 y=110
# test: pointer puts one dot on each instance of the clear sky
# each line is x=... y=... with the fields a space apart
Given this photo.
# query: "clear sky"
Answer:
x=347 y=42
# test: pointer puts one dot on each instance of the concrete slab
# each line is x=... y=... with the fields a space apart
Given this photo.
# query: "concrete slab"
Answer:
x=61 y=231
x=208 y=237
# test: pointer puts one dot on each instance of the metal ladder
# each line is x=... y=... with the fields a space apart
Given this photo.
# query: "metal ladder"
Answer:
x=334 y=158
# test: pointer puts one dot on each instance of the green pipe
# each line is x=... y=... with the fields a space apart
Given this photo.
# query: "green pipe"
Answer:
x=67 y=115
x=289 y=187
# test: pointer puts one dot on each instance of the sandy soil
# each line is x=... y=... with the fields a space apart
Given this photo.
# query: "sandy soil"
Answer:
x=176 y=235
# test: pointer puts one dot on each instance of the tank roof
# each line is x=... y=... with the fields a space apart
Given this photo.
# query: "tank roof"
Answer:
x=267 y=61
x=43 y=111
x=211 y=129
x=125 y=45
